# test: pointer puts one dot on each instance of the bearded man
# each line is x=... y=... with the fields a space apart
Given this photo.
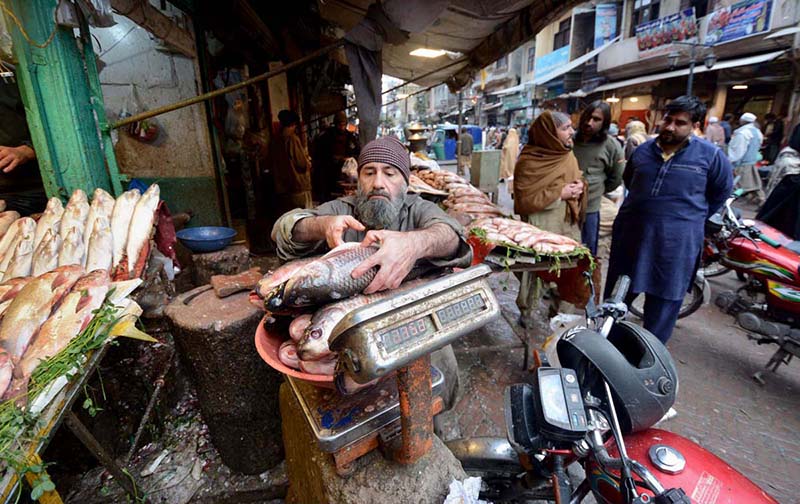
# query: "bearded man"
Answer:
x=412 y=233
x=675 y=183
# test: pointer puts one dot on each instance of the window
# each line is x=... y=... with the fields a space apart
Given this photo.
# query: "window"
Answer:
x=502 y=63
x=643 y=12
x=531 y=58
x=700 y=7
x=562 y=35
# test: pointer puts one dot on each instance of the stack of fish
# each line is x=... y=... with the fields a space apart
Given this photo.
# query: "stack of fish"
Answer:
x=442 y=180
x=508 y=232
x=464 y=202
x=109 y=234
x=40 y=315
x=418 y=186
x=323 y=284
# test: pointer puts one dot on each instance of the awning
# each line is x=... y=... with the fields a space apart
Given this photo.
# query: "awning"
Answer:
x=513 y=89
x=722 y=65
x=538 y=80
x=491 y=107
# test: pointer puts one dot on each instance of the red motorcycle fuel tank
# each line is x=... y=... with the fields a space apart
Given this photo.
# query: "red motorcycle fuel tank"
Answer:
x=706 y=478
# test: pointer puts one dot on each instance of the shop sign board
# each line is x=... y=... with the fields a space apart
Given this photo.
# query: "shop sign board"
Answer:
x=515 y=101
x=656 y=37
x=605 y=24
x=549 y=63
x=737 y=21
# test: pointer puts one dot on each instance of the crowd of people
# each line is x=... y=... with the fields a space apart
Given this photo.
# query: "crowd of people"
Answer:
x=673 y=181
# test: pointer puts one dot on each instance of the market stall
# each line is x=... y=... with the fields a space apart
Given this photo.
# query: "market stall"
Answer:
x=69 y=277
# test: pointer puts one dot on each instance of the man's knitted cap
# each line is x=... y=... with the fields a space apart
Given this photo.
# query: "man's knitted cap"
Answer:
x=387 y=150
x=748 y=117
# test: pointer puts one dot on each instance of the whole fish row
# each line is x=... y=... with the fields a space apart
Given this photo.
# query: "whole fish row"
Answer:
x=503 y=231
x=93 y=236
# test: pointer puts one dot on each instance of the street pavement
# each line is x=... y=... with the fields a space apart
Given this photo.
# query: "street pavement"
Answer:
x=753 y=427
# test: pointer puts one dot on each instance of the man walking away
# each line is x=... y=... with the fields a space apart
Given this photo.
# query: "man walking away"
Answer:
x=744 y=154
x=727 y=119
x=715 y=133
x=465 y=154
x=602 y=162
x=675 y=183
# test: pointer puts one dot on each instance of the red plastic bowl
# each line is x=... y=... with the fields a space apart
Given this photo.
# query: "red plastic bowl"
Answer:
x=267 y=345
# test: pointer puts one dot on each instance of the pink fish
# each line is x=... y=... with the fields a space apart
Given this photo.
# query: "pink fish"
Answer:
x=26 y=314
x=68 y=321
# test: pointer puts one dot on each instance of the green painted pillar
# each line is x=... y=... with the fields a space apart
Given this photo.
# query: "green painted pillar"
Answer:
x=63 y=102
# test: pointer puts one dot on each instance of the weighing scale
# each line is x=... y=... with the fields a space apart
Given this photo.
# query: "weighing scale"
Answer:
x=394 y=335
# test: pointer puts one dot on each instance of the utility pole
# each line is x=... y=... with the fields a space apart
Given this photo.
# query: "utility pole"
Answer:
x=459 y=168
x=690 y=81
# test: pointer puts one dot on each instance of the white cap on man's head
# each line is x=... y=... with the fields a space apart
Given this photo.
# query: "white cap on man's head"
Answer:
x=713 y=119
x=747 y=117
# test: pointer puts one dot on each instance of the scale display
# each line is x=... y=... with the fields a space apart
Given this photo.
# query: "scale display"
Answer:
x=399 y=336
x=461 y=309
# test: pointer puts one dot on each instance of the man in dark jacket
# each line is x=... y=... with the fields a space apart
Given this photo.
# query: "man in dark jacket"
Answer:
x=675 y=183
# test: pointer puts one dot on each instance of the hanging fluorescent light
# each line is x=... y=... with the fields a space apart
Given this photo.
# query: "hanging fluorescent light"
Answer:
x=424 y=52
x=402 y=96
x=740 y=86
x=612 y=99
x=633 y=99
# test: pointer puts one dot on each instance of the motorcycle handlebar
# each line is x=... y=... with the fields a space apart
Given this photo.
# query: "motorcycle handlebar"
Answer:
x=620 y=289
x=769 y=241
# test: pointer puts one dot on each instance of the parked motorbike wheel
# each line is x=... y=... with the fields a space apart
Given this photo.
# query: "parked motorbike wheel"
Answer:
x=691 y=303
x=715 y=269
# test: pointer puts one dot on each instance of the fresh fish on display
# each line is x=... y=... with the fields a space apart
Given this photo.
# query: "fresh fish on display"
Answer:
x=287 y=353
x=273 y=279
x=45 y=256
x=141 y=226
x=9 y=290
x=6 y=219
x=68 y=321
x=100 y=250
x=50 y=219
x=18 y=228
x=25 y=231
x=72 y=249
x=325 y=279
x=298 y=326
x=102 y=205
x=121 y=222
x=26 y=314
x=320 y=367
x=75 y=214
x=20 y=265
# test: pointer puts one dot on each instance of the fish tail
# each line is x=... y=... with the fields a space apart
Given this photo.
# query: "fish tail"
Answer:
x=126 y=327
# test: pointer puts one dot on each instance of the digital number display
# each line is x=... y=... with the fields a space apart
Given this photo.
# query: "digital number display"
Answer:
x=410 y=331
x=461 y=309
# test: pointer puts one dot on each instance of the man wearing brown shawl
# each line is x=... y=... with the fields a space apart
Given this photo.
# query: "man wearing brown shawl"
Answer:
x=548 y=191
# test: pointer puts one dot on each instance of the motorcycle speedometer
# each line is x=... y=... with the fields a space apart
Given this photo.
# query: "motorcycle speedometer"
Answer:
x=559 y=405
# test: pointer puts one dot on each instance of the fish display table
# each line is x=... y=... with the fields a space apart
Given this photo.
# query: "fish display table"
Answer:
x=57 y=411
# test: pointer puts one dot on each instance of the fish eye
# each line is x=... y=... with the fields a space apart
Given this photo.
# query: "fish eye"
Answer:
x=315 y=334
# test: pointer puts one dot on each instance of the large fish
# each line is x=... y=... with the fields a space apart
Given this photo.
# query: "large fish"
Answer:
x=68 y=321
x=142 y=220
x=99 y=250
x=45 y=257
x=72 y=248
x=20 y=265
x=6 y=219
x=26 y=314
x=121 y=222
x=18 y=228
x=23 y=229
x=326 y=279
x=75 y=214
x=273 y=279
x=9 y=290
x=102 y=206
x=50 y=219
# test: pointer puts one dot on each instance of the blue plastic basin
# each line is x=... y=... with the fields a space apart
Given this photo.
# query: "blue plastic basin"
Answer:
x=206 y=238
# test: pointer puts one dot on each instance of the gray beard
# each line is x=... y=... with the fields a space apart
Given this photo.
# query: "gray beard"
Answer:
x=377 y=213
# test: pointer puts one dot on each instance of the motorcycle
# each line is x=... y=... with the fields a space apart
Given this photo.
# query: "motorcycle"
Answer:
x=767 y=306
x=598 y=411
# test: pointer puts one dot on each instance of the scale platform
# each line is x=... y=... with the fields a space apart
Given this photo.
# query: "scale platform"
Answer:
x=339 y=421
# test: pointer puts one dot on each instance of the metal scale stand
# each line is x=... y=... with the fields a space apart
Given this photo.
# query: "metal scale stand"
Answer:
x=395 y=334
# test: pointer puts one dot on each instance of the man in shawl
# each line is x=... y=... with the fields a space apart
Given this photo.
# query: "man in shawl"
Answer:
x=744 y=153
x=290 y=165
x=636 y=133
x=675 y=183
x=600 y=157
x=548 y=191
x=509 y=155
